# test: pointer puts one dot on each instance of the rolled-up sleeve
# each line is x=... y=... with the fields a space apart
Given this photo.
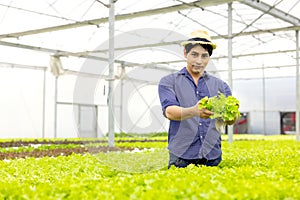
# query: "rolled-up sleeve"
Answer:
x=166 y=93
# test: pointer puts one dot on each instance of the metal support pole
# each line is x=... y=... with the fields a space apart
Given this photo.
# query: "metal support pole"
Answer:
x=264 y=99
x=121 y=96
x=44 y=102
x=111 y=123
x=55 y=107
x=230 y=128
x=297 y=88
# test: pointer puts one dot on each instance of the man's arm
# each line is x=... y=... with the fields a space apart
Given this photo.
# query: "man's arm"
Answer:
x=178 y=113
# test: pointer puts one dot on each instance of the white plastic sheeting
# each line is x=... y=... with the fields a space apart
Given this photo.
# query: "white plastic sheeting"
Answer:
x=147 y=37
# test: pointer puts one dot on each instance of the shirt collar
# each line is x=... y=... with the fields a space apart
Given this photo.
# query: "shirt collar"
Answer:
x=183 y=71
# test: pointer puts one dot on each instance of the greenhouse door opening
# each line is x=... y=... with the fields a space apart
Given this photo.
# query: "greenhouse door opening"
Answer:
x=87 y=121
x=288 y=122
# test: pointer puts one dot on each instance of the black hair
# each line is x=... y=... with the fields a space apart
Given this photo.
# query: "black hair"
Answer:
x=207 y=47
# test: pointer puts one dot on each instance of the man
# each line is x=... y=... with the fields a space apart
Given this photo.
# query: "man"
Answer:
x=193 y=137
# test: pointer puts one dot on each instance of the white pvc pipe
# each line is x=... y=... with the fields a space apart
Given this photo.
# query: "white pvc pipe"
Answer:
x=230 y=128
x=111 y=123
x=297 y=88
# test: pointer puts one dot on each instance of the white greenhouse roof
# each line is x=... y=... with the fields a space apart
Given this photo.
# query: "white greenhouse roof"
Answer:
x=263 y=32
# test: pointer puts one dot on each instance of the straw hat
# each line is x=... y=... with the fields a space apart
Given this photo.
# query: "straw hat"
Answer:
x=199 y=37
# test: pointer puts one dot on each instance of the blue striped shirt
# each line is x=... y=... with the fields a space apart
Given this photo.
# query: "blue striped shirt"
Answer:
x=193 y=138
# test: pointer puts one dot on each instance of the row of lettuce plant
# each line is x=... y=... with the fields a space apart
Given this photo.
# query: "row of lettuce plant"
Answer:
x=251 y=169
x=44 y=147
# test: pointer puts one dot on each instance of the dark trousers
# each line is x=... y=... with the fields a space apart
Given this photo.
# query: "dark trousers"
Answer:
x=180 y=162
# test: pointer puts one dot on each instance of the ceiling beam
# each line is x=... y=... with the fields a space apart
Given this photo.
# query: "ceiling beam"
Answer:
x=47 y=50
x=199 y=3
x=149 y=65
x=66 y=53
x=271 y=10
x=85 y=53
x=225 y=57
x=177 y=42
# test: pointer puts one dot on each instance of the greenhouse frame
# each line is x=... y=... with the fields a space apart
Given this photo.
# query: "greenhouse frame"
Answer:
x=91 y=68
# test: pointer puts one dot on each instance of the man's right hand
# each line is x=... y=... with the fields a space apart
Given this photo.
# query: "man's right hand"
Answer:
x=204 y=113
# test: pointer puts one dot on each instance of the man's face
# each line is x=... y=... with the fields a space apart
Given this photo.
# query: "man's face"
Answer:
x=197 y=59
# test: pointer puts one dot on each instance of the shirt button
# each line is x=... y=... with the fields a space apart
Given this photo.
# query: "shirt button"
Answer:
x=200 y=124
